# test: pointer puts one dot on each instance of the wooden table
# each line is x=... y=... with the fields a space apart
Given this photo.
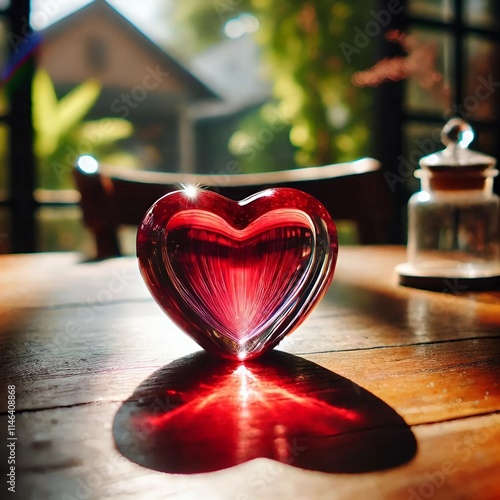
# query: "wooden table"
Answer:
x=79 y=339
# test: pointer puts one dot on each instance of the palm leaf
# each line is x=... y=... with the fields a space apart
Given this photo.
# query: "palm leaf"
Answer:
x=105 y=131
x=44 y=113
x=76 y=104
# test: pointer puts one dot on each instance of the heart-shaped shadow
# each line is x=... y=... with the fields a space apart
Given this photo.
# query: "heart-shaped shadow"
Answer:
x=201 y=414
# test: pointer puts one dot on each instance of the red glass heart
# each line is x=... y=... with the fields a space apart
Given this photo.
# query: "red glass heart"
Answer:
x=237 y=276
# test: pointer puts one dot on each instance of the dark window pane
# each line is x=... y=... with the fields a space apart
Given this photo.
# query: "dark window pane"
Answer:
x=480 y=79
x=420 y=139
x=479 y=13
x=4 y=42
x=431 y=9
x=4 y=161
x=4 y=231
x=4 y=102
x=485 y=141
x=428 y=88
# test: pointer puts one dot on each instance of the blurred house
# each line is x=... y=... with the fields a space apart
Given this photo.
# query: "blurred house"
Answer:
x=141 y=82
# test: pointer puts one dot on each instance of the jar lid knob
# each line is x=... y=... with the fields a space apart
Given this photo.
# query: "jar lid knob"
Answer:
x=456 y=135
x=457 y=132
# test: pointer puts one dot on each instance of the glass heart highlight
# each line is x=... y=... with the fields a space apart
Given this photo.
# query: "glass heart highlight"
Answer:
x=237 y=276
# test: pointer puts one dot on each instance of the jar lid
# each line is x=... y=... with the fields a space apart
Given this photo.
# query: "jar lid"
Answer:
x=456 y=135
x=457 y=167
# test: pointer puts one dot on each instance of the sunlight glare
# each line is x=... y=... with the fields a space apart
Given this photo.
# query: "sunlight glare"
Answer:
x=466 y=138
x=243 y=374
x=241 y=25
x=88 y=164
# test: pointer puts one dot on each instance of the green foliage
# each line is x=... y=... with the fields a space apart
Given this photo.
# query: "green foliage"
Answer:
x=61 y=135
x=198 y=24
x=55 y=120
x=261 y=143
x=303 y=44
x=4 y=147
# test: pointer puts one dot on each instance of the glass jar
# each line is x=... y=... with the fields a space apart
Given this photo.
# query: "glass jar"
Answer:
x=454 y=220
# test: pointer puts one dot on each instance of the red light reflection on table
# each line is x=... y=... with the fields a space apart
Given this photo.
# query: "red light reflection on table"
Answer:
x=200 y=414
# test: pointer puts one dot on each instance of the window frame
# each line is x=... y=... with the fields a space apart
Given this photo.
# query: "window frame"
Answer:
x=20 y=200
x=389 y=139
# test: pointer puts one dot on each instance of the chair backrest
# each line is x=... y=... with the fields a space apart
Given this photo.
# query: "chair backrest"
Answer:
x=355 y=191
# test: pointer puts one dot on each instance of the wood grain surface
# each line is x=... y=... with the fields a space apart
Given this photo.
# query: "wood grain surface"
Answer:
x=78 y=339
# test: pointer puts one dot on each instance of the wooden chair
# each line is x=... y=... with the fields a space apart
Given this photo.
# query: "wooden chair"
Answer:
x=354 y=191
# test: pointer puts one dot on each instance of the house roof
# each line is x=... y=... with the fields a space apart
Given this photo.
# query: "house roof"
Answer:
x=232 y=68
x=103 y=8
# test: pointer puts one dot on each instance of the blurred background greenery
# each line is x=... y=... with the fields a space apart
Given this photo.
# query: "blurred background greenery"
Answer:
x=235 y=86
x=309 y=112
x=327 y=118
x=283 y=83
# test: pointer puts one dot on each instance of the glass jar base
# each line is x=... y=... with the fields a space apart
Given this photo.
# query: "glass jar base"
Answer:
x=449 y=280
